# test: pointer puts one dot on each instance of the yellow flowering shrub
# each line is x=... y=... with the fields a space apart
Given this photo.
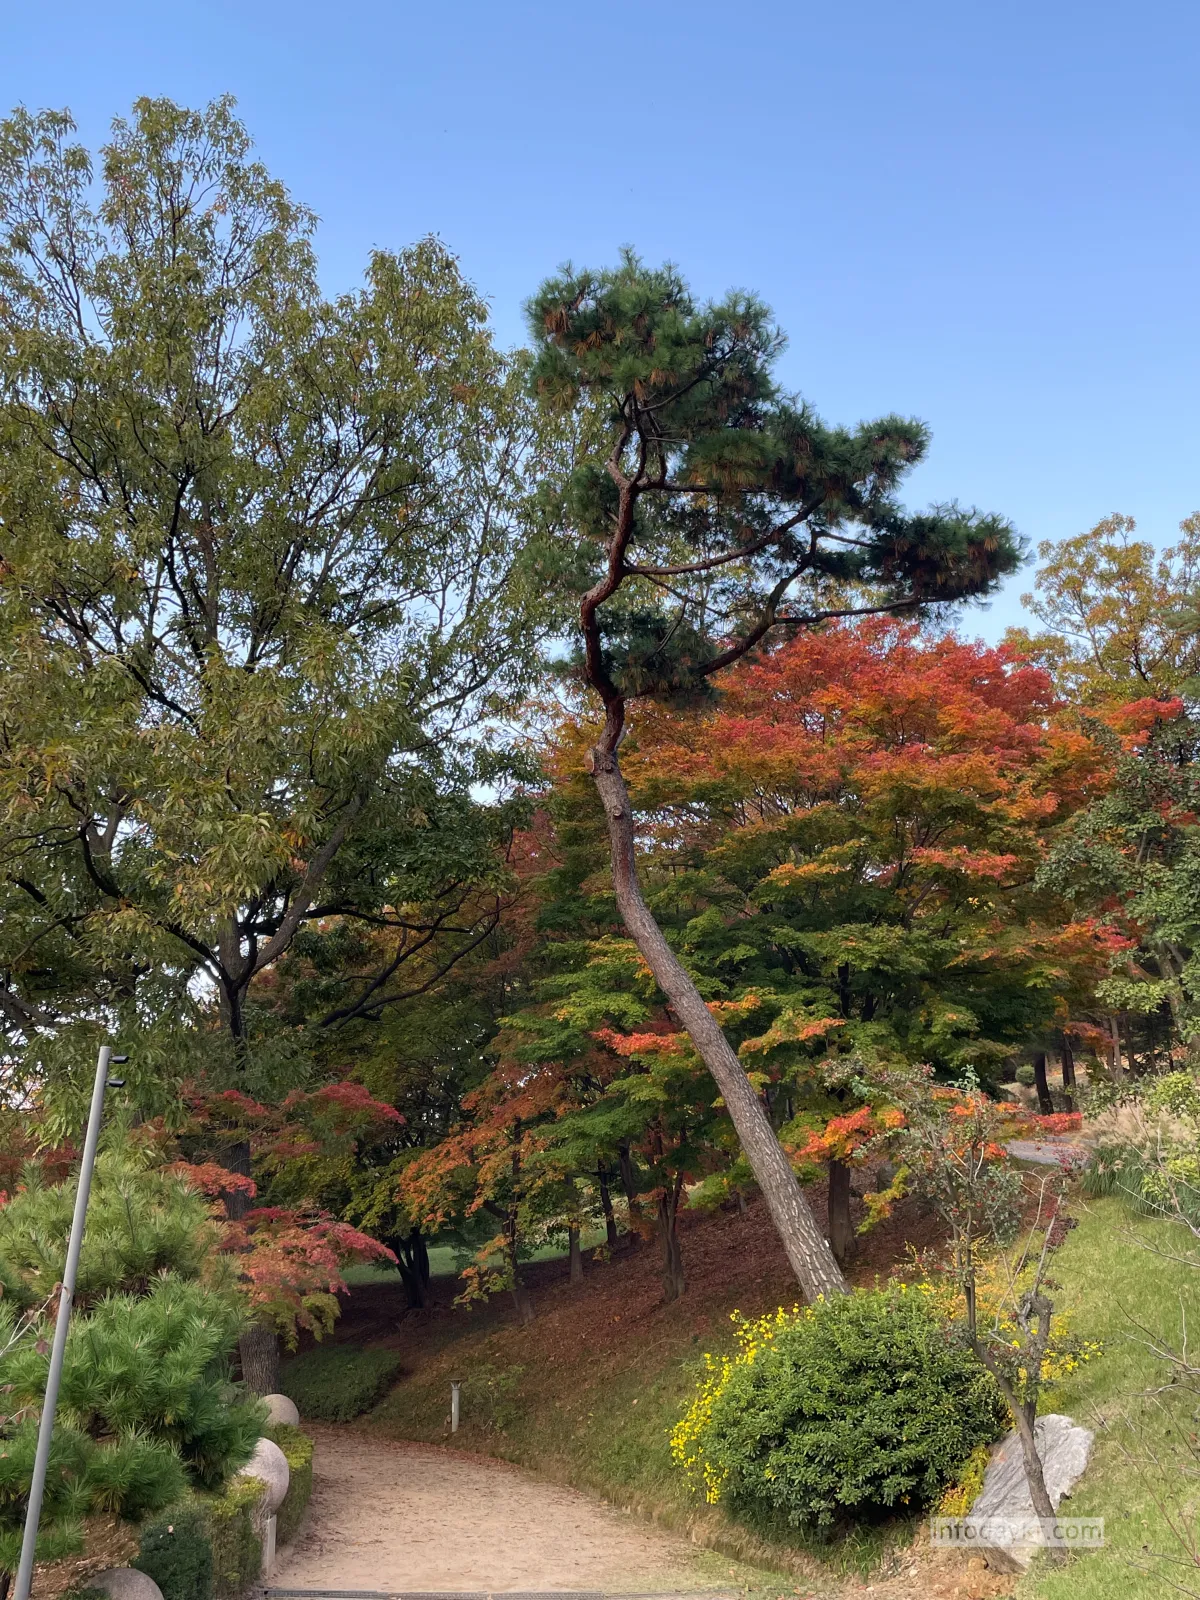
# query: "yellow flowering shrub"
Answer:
x=846 y=1409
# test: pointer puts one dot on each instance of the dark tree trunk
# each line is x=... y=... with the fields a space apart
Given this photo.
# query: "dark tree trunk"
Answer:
x=412 y=1258
x=629 y=1184
x=668 y=1234
x=841 y=1229
x=1068 y=1073
x=1045 y=1102
x=259 y=1350
x=606 y=1205
x=574 y=1253
x=258 y=1347
x=808 y=1252
x=520 y=1294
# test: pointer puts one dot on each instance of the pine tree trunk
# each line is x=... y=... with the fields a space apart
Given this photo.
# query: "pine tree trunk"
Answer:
x=610 y=1220
x=668 y=1234
x=259 y=1350
x=808 y=1252
x=841 y=1229
x=575 y=1253
x=1045 y=1102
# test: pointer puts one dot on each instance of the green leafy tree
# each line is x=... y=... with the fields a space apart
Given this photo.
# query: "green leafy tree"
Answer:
x=261 y=574
x=1132 y=859
x=710 y=511
x=1120 y=617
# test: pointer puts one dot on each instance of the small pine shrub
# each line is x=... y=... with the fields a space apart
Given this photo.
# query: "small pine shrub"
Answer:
x=176 y=1551
x=839 y=1412
x=336 y=1383
x=1024 y=1075
x=297 y=1448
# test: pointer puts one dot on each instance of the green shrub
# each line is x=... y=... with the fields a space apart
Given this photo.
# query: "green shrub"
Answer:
x=176 y=1551
x=491 y=1397
x=336 y=1383
x=233 y=1523
x=838 y=1412
x=298 y=1450
x=1024 y=1075
x=207 y=1547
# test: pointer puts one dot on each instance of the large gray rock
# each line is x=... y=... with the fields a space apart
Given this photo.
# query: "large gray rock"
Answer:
x=125 y=1583
x=269 y=1464
x=1065 y=1449
x=281 y=1409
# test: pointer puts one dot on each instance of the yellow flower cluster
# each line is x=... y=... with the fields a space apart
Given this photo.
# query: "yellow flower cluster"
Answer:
x=961 y=1496
x=754 y=1336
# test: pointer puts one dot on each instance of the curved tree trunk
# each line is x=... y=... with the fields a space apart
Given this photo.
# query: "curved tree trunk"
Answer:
x=1045 y=1099
x=808 y=1252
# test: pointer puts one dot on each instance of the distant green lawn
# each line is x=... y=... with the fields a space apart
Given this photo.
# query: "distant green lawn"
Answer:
x=448 y=1260
x=1109 y=1285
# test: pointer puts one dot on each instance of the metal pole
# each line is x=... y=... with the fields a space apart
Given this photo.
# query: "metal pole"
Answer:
x=454 y=1403
x=58 y=1350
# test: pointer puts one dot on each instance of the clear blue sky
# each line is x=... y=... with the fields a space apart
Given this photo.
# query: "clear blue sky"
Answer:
x=982 y=214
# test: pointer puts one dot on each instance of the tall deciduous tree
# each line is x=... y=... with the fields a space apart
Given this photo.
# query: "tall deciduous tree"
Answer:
x=711 y=511
x=259 y=568
x=1120 y=616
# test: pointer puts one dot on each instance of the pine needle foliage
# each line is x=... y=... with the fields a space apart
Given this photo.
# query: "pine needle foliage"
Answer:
x=146 y=1407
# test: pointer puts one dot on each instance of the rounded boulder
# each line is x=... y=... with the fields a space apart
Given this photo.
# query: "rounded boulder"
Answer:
x=125 y=1583
x=281 y=1409
x=269 y=1464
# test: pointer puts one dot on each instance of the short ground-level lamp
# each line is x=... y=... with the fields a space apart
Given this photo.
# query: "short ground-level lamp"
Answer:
x=455 y=1393
x=41 y=1462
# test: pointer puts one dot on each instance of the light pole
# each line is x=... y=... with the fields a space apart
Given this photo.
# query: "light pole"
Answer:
x=41 y=1462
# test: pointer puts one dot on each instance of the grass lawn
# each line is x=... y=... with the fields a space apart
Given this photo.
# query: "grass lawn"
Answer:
x=1109 y=1284
x=447 y=1260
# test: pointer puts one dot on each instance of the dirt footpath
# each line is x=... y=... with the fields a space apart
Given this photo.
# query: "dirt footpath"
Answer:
x=408 y=1516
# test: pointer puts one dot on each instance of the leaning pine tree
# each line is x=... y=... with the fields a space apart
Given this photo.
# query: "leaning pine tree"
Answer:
x=712 y=512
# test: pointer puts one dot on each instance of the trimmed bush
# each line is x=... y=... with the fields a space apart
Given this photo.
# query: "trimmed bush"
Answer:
x=298 y=1450
x=844 y=1411
x=234 y=1521
x=1025 y=1075
x=208 y=1547
x=336 y=1383
x=176 y=1551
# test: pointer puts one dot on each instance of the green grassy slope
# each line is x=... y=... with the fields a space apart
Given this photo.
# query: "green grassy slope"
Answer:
x=1111 y=1284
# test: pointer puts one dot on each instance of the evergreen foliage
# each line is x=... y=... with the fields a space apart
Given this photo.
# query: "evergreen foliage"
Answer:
x=840 y=1412
x=146 y=1405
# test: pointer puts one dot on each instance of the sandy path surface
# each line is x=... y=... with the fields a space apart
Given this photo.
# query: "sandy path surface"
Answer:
x=412 y=1517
